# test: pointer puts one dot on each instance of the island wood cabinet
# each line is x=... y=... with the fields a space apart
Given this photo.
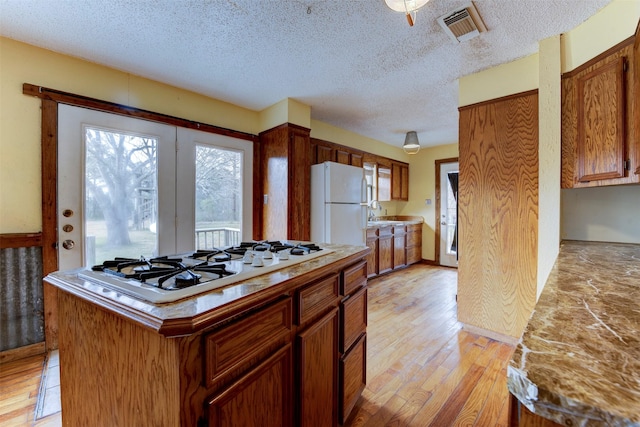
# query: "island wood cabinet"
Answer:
x=599 y=145
x=353 y=338
x=296 y=358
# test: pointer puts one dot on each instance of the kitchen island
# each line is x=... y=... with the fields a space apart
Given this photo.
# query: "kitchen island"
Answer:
x=578 y=361
x=284 y=348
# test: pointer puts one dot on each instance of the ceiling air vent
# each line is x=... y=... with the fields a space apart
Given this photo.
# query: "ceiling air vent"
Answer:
x=463 y=24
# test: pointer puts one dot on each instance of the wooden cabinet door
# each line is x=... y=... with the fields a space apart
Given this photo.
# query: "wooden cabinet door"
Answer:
x=260 y=398
x=384 y=183
x=399 y=181
x=356 y=160
x=317 y=350
x=372 y=258
x=353 y=376
x=385 y=250
x=601 y=123
x=343 y=157
x=399 y=248
x=323 y=154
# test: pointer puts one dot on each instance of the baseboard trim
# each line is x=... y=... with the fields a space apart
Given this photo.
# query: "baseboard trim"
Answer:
x=22 y=352
x=428 y=262
x=507 y=339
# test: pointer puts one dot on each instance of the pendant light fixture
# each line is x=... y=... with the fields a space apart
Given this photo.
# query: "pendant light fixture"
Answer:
x=409 y=7
x=411 y=143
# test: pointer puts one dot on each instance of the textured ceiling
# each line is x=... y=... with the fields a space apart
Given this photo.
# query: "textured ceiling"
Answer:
x=355 y=62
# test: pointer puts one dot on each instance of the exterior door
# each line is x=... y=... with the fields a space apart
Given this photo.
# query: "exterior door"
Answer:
x=116 y=187
x=449 y=214
x=215 y=190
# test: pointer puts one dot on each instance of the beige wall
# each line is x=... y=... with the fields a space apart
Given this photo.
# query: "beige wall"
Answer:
x=613 y=24
x=422 y=186
x=549 y=152
x=20 y=188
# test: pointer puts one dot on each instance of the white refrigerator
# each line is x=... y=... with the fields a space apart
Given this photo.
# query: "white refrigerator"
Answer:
x=338 y=204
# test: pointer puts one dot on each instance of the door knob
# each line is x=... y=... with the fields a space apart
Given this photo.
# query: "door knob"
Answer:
x=443 y=223
x=68 y=244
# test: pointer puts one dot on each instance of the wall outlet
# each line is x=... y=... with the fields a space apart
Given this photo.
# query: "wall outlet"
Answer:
x=427 y=202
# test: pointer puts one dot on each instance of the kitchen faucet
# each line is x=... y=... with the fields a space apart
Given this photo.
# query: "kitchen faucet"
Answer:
x=373 y=204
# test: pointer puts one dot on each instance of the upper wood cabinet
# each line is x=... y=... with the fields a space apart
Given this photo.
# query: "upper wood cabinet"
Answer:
x=325 y=151
x=598 y=136
x=283 y=180
x=392 y=177
x=399 y=181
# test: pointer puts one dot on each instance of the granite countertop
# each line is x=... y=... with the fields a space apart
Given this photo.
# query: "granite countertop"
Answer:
x=381 y=221
x=196 y=312
x=578 y=361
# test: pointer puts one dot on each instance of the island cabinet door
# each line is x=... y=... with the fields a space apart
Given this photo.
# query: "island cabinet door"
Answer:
x=262 y=397
x=317 y=348
x=353 y=376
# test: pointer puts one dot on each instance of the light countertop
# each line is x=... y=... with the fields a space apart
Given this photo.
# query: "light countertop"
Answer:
x=578 y=361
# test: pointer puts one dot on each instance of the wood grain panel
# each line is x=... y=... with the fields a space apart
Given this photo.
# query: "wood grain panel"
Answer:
x=601 y=136
x=342 y=156
x=498 y=213
x=261 y=398
x=399 y=250
x=112 y=371
x=317 y=385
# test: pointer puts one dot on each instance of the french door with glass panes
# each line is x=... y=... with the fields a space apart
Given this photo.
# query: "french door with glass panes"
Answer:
x=134 y=188
x=449 y=214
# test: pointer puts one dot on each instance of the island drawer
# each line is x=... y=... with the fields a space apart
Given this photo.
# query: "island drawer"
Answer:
x=353 y=278
x=353 y=319
x=316 y=298
x=233 y=348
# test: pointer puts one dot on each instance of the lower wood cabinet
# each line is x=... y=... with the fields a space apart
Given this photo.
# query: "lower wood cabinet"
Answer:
x=317 y=348
x=399 y=247
x=353 y=376
x=260 y=398
x=393 y=247
x=385 y=249
x=372 y=258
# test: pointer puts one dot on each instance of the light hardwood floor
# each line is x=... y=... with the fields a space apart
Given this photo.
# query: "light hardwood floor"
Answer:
x=422 y=369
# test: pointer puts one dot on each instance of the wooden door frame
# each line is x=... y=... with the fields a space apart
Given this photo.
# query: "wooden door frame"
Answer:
x=49 y=157
x=439 y=164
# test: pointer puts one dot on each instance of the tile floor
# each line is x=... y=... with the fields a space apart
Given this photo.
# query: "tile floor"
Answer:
x=49 y=394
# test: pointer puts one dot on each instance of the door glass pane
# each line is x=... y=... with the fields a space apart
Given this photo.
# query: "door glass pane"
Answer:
x=451 y=220
x=121 y=203
x=218 y=200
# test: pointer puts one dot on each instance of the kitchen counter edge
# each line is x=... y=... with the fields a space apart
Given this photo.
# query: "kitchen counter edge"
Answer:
x=578 y=360
x=189 y=315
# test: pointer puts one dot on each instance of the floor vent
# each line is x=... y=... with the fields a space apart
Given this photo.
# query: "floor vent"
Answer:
x=463 y=24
